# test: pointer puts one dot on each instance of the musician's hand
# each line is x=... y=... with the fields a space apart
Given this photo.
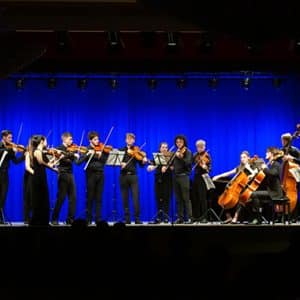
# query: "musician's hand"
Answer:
x=179 y=155
x=164 y=169
x=264 y=166
x=204 y=166
x=76 y=155
x=123 y=165
x=91 y=151
x=144 y=160
x=15 y=149
x=288 y=158
x=99 y=153
x=150 y=168
x=215 y=178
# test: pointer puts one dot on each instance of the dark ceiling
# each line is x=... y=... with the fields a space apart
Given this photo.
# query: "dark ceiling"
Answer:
x=72 y=36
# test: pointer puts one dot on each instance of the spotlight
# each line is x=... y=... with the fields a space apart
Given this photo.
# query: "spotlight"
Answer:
x=20 y=83
x=172 y=41
x=245 y=83
x=181 y=83
x=277 y=82
x=206 y=43
x=152 y=83
x=51 y=83
x=114 y=40
x=82 y=83
x=113 y=83
x=213 y=83
x=63 y=42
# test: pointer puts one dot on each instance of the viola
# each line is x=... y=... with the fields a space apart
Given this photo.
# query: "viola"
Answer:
x=76 y=148
x=102 y=148
x=136 y=152
x=19 y=148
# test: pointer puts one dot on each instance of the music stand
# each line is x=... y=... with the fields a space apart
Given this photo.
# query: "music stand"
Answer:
x=160 y=160
x=115 y=159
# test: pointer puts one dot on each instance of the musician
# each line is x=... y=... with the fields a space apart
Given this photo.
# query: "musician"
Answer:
x=35 y=164
x=26 y=185
x=163 y=186
x=94 y=177
x=66 y=182
x=129 y=180
x=244 y=163
x=272 y=180
x=202 y=161
x=182 y=164
x=7 y=154
x=292 y=153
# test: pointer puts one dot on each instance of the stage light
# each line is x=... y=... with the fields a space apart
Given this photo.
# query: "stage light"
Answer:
x=213 y=83
x=113 y=83
x=51 y=83
x=245 y=83
x=277 y=82
x=63 y=42
x=114 y=41
x=20 y=83
x=172 y=41
x=152 y=83
x=206 y=43
x=82 y=84
x=181 y=83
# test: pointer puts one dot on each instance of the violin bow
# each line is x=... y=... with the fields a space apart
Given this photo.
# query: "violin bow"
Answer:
x=81 y=141
x=131 y=158
x=48 y=134
x=92 y=155
x=19 y=133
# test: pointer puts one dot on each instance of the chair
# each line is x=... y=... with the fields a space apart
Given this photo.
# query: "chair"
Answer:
x=284 y=202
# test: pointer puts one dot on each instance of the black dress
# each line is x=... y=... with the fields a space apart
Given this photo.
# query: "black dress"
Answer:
x=39 y=194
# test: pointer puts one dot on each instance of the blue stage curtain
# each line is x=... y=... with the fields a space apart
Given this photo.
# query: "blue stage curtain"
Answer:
x=229 y=118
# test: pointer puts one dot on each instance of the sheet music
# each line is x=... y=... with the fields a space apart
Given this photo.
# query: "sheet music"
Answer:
x=159 y=159
x=208 y=182
x=296 y=173
x=115 y=157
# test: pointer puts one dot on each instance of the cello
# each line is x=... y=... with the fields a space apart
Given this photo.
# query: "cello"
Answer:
x=289 y=183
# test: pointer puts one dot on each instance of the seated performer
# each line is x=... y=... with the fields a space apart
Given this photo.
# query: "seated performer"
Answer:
x=163 y=186
x=272 y=180
x=244 y=163
x=200 y=190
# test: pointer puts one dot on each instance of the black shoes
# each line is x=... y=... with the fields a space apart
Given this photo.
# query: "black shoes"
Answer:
x=54 y=223
x=137 y=221
x=178 y=221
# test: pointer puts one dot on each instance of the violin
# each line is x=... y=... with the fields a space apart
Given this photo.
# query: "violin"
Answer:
x=19 y=148
x=76 y=148
x=54 y=152
x=102 y=148
x=136 y=152
x=202 y=159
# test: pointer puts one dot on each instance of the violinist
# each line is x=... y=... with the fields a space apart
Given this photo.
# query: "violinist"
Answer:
x=244 y=163
x=163 y=186
x=182 y=164
x=37 y=187
x=94 y=176
x=202 y=162
x=66 y=182
x=129 y=178
x=7 y=153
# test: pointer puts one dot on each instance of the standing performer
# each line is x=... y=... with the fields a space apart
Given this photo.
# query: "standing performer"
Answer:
x=202 y=162
x=37 y=186
x=94 y=176
x=244 y=163
x=163 y=186
x=26 y=186
x=129 y=178
x=182 y=163
x=7 y=153
x=66 y=182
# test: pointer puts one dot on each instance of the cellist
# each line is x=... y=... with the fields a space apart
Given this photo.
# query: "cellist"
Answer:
x=244 y=163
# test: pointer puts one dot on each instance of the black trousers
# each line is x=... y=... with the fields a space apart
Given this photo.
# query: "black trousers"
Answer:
x=163 y=192
x=27 y=197
x=256 y=202
x=130 y=183
x=199 y=197
x=94 y=184
x=182 y=195
x=4 y=180
x=66 y=187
